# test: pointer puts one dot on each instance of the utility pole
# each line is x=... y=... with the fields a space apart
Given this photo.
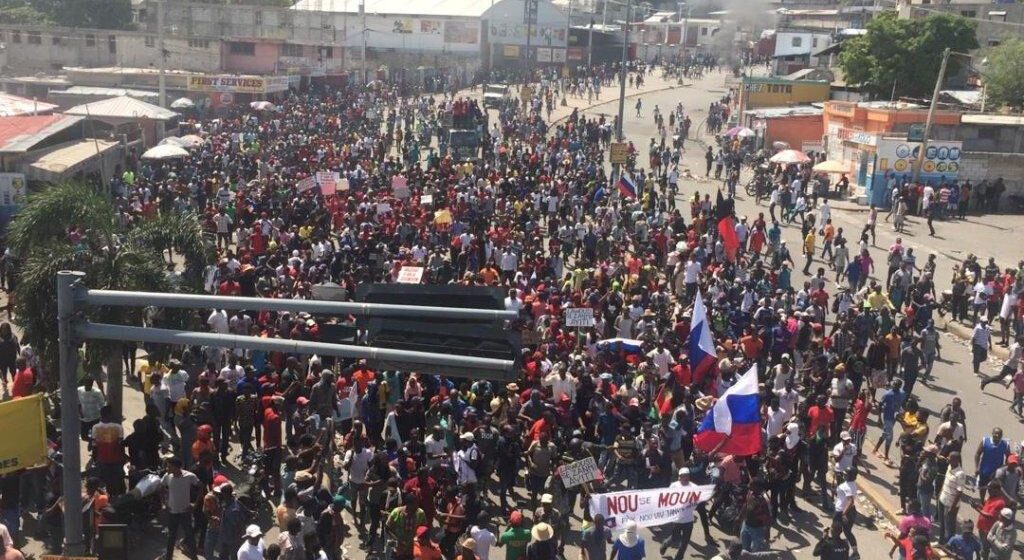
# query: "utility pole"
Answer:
x=686 y=24
x=362 y=14
x=162 y=55
x=530 y=11
x=931 y=114
x=70 y=422
x=622 y=70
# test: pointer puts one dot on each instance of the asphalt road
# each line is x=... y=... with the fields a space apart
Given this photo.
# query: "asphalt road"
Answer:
x=794 y=539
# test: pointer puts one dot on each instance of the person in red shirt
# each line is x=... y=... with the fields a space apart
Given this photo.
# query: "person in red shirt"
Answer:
x=24 y=380
x=859 y=419
x=988 y=513
x=542 y=426
x=820 y=415
x=272 y=442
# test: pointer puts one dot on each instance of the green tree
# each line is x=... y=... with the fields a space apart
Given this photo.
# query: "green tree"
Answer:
x=99 y=14
x=1004 y=74
x=905 y=52
x=110 y=257
x=22 y=13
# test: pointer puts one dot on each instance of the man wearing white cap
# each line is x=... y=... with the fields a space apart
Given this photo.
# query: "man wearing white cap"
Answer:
x=844 y=452
x=1002 y=536
x=252 y=548
x=683 y=528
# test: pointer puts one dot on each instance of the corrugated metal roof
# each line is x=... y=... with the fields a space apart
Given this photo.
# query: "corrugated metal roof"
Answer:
x=12 y=105
x=110 y=92
x=21 y=134
x=453 y=8
x=1006 y=120
x=776 y=112
x=67 y=157
x=123 y=107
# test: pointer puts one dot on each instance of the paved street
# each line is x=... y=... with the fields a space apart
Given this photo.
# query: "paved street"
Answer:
x=984 y=236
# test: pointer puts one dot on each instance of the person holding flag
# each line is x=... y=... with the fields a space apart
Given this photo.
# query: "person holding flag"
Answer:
x=733 y=425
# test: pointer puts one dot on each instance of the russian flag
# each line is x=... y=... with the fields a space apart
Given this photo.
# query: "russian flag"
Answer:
x=701 y=348
x=733 y=425
x=627 y=188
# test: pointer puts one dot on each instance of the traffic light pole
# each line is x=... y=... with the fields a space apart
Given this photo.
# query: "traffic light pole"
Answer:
x=73 y=297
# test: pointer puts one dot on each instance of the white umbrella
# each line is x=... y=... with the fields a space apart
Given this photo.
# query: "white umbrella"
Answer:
x=165 y=151
x=831 y=166
x=172 y=141
x=262 y=106
x=790 y=156
x=746 y=133
x=182 y=103
x=191 y=141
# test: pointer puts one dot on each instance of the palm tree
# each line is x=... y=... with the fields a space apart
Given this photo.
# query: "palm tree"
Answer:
x=111 y=257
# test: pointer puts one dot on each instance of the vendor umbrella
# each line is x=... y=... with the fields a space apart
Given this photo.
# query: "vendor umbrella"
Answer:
x=263 y=106
x=182 y=103
x=790 y=156
x=831 y=166
x=165 y=151
x=740 y=131
x=191 y=141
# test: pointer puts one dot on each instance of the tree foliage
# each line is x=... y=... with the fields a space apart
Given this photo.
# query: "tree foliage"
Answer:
x=100 y=14
x=1004 y=74
x=111 y=259
x=905 y=52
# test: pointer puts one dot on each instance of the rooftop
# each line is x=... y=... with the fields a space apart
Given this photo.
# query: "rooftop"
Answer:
x=777 y=112
x=993 y=119
x=454 y=8
x=21 y=134
x=123 y=107
x=12 y=105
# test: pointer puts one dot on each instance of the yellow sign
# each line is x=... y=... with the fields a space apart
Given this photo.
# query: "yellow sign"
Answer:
x=511 y=51
x=25 y=418
x=618 y=152
x=238 y=84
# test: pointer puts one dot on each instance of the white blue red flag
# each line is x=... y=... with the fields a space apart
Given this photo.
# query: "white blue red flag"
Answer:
x=733 y=425
x=701 y=347
x=627 y=187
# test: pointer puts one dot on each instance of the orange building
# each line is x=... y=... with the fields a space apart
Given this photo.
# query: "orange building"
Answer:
x=799 y=127
x=854 y=132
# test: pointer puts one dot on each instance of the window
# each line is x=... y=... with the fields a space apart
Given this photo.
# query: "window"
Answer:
x=246 y=49
x=34 y=38
x=112 y=44
x=55 y=40
x=291 y=50
x=798 y=41
x=150 y=42
x=198 y=44
x=90 y=40
x=968 y=13
x=15 y=36
x=997 y=15
x=994 y=42
x=814 y=42
x=327 y=52
x=257 y=17
x=704 y=31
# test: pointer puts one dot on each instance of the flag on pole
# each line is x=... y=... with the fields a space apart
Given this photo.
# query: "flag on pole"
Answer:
x=599 y=194
x=627 y=187
x=733 y=425
x=701 y=348
x=727 y=229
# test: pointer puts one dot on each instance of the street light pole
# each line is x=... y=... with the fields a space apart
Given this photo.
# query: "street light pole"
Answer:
x=70 y=422
x=931 y=114
x=622 y=71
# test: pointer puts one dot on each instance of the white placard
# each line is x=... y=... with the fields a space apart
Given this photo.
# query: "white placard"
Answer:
x=579 y=317
x=306 y=184
x=400 y=186
x=427 y=199
x=579 y=472
x=410 y=275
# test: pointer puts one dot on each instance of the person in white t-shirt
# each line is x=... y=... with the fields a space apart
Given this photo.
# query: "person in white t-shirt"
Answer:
x=483 y=537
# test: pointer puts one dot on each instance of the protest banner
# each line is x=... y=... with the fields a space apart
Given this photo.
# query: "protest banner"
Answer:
x=579 y=472
x=410 y=275
x=25 y=417
x=579 y=317
x=328 y=182
x=305 y=184
x=400 y=186
x=427 y=199
x=649 y=508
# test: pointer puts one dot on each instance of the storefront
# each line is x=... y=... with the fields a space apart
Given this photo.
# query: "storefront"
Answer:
x=855 y=148
x=222 y=90
x=896 y=157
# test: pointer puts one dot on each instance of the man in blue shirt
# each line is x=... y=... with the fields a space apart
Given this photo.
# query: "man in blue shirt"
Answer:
x=965 y=546
x=888 y=407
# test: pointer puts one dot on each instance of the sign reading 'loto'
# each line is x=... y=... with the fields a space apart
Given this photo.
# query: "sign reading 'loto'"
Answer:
x=649 y=508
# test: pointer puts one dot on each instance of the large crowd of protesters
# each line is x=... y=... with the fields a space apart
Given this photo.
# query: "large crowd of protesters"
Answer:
x=415 y=465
